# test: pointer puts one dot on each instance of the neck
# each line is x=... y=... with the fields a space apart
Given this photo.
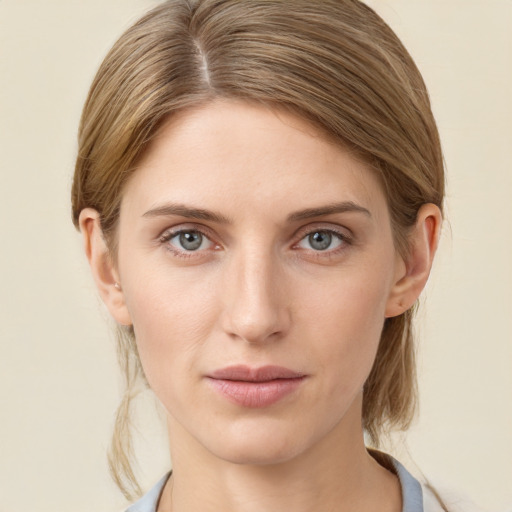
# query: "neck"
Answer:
x=337 y=473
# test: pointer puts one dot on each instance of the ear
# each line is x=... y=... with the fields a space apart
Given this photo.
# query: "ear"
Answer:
x=414 y=269
x=103 y=270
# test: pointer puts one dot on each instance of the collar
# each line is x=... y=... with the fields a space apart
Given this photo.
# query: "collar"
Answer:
x=412 y=495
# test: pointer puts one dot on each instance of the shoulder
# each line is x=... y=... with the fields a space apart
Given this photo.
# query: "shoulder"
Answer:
x=443 y=500
x=421 y=496
x=149 y=502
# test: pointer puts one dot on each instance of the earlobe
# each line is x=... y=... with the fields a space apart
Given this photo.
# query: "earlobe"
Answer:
x=415 y=267
x=102 y=267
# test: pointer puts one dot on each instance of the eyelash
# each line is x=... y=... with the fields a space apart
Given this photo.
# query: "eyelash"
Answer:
x=166 y=237
x=344 y=239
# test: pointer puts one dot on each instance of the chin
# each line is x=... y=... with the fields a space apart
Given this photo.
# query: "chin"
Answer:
x=259 y=444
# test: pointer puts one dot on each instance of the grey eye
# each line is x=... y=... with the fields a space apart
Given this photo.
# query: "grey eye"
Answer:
x=190 y=240
x=185 y=241
x=320 y=240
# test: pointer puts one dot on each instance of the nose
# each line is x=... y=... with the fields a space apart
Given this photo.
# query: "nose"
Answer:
x=255 y=301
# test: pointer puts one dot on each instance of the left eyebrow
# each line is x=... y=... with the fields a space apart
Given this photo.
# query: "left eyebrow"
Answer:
x=343 y=207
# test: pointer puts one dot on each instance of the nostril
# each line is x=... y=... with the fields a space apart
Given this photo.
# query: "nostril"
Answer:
x=256 y=326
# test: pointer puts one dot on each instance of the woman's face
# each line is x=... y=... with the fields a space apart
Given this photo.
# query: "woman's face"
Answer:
x=257 y=265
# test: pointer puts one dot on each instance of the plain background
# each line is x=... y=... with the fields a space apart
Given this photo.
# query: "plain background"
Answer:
x=59 y=382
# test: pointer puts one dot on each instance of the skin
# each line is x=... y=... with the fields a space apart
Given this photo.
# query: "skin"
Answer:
x=258 y=291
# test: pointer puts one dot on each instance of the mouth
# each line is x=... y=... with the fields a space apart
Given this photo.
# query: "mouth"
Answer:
x=255 y=387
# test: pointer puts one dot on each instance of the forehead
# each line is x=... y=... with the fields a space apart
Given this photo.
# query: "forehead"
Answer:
x=239 y=155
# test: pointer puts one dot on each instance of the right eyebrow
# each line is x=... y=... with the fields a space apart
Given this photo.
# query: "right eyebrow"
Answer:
x=182 y=210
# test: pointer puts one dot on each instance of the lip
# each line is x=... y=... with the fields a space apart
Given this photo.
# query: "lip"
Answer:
x=255 y=387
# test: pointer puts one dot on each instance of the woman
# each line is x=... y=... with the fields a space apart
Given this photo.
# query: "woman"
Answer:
x=259 y=185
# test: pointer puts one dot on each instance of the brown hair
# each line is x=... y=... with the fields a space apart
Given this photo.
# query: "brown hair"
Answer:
x=333 y=62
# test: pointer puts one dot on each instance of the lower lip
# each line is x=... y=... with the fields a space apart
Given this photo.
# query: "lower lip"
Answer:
x=256 y=394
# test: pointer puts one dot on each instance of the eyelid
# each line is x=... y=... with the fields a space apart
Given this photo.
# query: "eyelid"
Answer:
x=344 y=236
x=343 y=232
x=171 y=232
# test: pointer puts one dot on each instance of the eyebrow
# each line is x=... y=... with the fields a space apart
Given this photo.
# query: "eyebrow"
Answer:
x=188 y=212
x=343 y=207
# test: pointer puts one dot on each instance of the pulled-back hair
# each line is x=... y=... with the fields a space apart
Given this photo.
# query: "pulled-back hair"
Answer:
x=334 y=63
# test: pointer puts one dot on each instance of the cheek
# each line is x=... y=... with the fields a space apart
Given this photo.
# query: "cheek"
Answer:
x=345 y=317
x=172 y=315
x=351 y=300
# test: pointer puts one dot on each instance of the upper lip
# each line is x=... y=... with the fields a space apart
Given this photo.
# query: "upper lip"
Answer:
x=260 y=374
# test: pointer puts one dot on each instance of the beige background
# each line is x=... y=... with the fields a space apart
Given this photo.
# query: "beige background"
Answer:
x=58 y=374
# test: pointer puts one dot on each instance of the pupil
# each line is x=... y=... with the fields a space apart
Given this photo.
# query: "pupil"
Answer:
x=191 y=241
x=320 y=240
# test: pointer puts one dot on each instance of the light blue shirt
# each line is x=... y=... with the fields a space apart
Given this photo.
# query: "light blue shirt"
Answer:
x=412 y=495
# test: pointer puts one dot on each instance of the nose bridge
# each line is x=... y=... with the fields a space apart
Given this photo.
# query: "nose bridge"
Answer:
x=254 y=307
